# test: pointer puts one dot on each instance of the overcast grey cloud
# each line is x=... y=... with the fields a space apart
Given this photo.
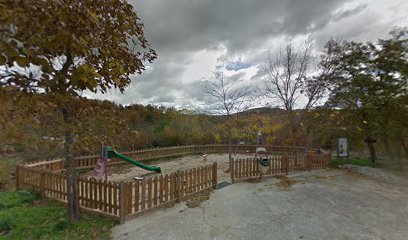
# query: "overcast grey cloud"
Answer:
x=189 y=36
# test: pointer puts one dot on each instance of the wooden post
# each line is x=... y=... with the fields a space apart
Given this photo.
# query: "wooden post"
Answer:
x=42 y=183
x=129 y=198
x=161 y=187
x=143 y=195
x=122 y=202
x=137 y=196
x=190 y=181
x=149 y=193
x=214 y=172
x=232 y=170
x=182 y=184
x=328 y=162
x=286 y=158
x=202 y=169
x=253 y=167
x=18 y=177
x=166 y=187
x=178 y=186
x=105 y=195
x=306 y=162
x=194 y=181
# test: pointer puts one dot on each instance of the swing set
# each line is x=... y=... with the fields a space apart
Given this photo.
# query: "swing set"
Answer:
x=260 y=147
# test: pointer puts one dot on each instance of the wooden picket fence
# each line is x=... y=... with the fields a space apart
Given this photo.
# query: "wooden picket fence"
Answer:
x=151 y=193
x=122 y=200
x=280 y=163
x=145 y=155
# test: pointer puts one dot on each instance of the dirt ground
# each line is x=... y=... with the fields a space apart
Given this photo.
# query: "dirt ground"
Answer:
x=366 y=203
x=128 y=172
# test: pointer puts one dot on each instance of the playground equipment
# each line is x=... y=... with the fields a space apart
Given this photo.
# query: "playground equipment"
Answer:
x=107 y=153
x=244 y=142
x=263 y=165
x=263 y=160
x=100 y=171
x=238 y=146
x=260 y=147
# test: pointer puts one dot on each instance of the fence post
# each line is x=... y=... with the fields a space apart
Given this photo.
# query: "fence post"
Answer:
x=18 y=177
x=328 y=160
x=42 y=183
x=122 y=202
x=286 y=158
x=215 y=175
x=178 y=186
x=231 y=167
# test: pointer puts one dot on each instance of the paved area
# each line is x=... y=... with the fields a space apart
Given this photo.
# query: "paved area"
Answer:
x=323 y=204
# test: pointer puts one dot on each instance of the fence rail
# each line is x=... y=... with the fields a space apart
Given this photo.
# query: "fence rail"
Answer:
x=242 y=169
x=122 y=200
x=85 y=162
x=125 y=200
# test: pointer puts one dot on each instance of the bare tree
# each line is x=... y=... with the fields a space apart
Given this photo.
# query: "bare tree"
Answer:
x=294 y=81
x=230 y=96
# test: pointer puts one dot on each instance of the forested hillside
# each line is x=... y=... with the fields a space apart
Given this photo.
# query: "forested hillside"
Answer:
x=33 y=128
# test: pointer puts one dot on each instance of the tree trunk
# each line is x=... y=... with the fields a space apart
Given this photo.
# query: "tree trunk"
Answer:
x=371 y=149
x=294 y=137
x=229 y=136
x=229 y=145
x=404 y=146
x=369 y=140
x=72 y=186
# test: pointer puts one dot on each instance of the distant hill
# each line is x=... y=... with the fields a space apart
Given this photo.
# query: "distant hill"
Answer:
x=263 y=111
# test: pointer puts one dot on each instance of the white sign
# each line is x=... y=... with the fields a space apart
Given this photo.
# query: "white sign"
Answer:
x=343 y=152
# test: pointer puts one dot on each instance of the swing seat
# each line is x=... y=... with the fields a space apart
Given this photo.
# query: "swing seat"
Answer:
x=261 y=150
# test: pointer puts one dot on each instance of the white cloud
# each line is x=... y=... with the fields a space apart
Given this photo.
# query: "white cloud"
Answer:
x=189 y=36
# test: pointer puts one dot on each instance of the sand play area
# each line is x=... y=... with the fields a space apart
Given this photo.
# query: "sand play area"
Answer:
x=128 y=171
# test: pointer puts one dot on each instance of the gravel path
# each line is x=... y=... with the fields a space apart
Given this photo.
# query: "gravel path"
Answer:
x=321 y=204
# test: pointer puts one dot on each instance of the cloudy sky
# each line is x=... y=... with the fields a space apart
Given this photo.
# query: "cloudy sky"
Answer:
x=189 y=36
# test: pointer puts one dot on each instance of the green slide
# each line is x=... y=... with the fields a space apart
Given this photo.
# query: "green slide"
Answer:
x=113 y=154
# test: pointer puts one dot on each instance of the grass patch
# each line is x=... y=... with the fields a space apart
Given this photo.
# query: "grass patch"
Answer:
x=23 y=215
x=356 y=161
